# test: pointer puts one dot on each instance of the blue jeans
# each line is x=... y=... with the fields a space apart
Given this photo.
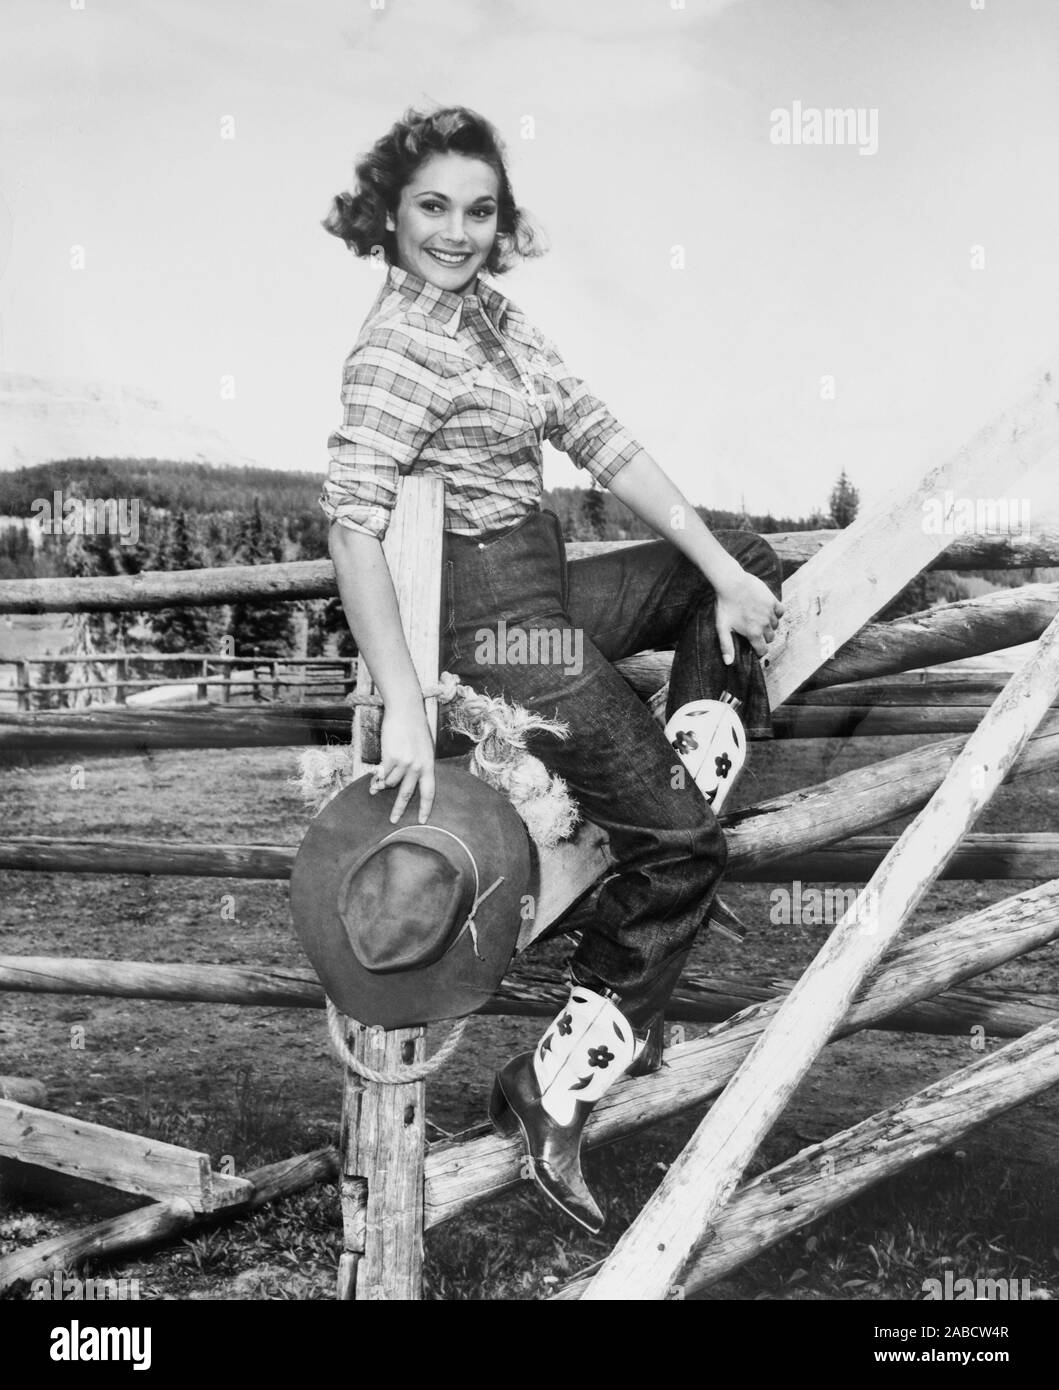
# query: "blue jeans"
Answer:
x=518 y=619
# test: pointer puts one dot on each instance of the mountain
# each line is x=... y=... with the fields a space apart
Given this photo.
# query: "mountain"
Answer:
x=48 y=418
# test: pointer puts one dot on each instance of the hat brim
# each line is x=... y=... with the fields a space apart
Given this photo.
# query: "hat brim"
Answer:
x=459 y=982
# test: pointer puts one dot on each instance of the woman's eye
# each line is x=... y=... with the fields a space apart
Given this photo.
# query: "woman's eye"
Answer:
x=484 y=213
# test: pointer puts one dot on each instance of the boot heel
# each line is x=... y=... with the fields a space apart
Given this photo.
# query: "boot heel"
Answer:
x=500 y=1112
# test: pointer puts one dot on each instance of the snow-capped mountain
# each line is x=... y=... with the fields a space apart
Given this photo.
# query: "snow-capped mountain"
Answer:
x=43 y=419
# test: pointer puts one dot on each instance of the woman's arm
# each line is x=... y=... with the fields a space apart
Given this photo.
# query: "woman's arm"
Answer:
x=370 y=604
x=745 y=604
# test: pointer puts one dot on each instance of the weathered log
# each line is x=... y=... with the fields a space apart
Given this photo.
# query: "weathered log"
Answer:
x=875 y=721
x=100 y=1154
x=528 y=993
x=648 y=1256
x=158 y=1221
x=201 y=726
x=309 y=579
x=1033 y=855
x=964 y=553
x=860 y=800
x=52 y=854
x=461 y=1174
x=947 y=632
x=828 y=1174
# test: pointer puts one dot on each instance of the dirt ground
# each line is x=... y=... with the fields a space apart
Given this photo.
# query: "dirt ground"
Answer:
x=262 y=1083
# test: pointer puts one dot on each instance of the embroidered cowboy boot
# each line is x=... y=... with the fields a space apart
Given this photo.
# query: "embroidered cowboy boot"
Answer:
x=549 y=1093
x=711 y=741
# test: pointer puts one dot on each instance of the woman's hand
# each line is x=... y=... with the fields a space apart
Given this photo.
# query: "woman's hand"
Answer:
x=407 y=758
x=745 y=604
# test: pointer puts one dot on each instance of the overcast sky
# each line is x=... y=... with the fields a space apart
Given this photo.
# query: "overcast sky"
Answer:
x=651 y=125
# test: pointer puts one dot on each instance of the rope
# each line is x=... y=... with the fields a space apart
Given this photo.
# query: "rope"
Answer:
x=401 y=1074
x=447 y=689
x=499 y=733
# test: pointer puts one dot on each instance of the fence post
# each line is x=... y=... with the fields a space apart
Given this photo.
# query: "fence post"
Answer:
x=383 y=1127
x=24 y=686
x=119 y=680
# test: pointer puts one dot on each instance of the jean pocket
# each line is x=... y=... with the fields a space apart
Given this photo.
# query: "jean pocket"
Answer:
x=510 y=533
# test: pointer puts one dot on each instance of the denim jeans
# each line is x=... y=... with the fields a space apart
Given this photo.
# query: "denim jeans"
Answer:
x=573 y=619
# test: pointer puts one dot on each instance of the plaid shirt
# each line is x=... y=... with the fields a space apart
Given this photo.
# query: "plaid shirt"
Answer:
x=467 y=387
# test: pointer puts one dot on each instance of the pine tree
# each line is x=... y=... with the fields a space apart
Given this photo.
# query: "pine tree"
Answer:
x=260 y=629
x=845 y=499
x=181 y=629
x=594 y=512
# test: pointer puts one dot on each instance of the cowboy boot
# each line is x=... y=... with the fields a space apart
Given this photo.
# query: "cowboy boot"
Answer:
x=549 y=1093
x=711 y=741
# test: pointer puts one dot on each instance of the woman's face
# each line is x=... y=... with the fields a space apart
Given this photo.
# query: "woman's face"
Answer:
x=446 y=220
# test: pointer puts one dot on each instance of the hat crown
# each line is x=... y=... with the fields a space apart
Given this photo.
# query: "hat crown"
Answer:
x=404 y=902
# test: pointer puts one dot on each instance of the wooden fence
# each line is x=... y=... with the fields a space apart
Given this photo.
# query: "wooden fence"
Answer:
x=851 y=677
x=110 y=676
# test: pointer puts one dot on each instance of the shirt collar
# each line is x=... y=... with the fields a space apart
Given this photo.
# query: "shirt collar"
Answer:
x=445 y=305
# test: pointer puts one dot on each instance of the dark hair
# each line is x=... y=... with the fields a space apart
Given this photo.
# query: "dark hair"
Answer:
x=359 y=218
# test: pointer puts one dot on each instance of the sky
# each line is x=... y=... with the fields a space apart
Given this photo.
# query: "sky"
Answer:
x=760 y=314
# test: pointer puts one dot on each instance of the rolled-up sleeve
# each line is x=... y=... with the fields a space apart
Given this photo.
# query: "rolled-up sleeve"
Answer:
x=393 y=401
x=585 y=428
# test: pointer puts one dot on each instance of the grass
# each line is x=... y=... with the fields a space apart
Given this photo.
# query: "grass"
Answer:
x=974 y=1214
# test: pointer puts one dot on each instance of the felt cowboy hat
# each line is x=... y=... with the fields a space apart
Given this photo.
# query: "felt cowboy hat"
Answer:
x=408 y=923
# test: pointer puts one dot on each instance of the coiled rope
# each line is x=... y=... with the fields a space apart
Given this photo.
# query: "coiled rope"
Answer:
x=400 y=1073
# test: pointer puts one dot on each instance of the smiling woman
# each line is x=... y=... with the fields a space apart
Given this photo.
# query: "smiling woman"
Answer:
x=460 y=197
x=448 y=376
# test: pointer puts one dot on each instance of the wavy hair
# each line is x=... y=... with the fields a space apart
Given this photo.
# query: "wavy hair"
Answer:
x=359 y=218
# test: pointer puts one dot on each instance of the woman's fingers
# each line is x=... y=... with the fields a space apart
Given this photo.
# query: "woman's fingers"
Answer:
x=408 y=785
x=426 y=793
x=726 y=640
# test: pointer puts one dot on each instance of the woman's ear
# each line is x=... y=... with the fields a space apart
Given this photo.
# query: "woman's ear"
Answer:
x=391 y=225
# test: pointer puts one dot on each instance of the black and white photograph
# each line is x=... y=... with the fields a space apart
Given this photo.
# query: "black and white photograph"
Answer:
x=529 y=669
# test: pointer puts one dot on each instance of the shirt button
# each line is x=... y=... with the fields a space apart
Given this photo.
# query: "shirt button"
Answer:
x=481 y=545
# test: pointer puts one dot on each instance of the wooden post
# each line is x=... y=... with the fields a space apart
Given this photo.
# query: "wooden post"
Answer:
x=384 y=1127
x=25 y=686
x=649 y=1257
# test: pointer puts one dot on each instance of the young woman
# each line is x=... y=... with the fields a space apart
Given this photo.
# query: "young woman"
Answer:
x=448 y=375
